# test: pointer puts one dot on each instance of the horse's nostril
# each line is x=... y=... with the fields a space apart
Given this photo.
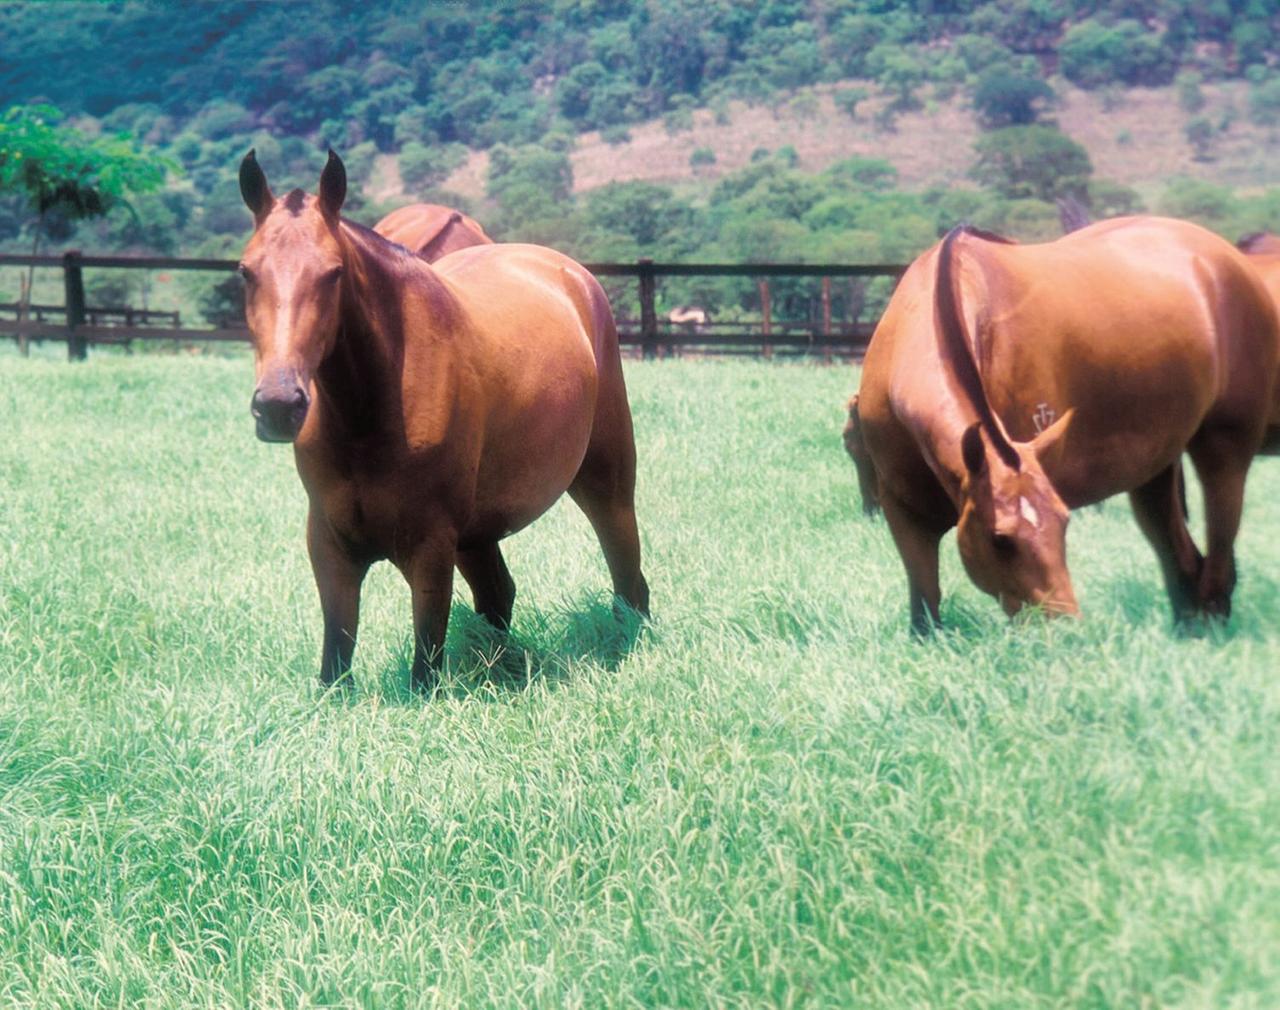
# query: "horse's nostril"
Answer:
x=300 y=398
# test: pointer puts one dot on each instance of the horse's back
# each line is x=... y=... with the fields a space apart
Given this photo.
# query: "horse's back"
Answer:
x=431 y=230
x=538 y=299
x=1145 y=328
x=1129 y=312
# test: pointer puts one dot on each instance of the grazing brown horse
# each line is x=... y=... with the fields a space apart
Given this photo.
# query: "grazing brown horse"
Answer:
x=1007 y=384
x=1263 y=252
x=431 y=230
x=432 y=412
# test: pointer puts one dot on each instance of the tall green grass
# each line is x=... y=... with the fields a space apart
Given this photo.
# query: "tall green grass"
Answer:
x=771 y=796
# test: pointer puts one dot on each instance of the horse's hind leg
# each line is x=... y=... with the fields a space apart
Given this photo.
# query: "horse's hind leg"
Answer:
x=917 y=543
x=604 y=489
x=492 y=587
x=1221 y=458
x=1160 y=508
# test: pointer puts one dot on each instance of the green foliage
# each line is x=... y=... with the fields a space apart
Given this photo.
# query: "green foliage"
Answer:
x=900 y=70
x=529 y=184
x=650 y=215
x=1264 y=101
x=702 y=157
x=847 y=100
x=1094 y=53
x=1200 y=134
x=1190 y=97
x=1036 y=162
x=1007 y=97
x=422 y=167
x=58 y=169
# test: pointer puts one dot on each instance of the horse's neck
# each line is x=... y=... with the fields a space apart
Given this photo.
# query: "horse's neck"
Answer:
x=358 y=379
x=361 y=378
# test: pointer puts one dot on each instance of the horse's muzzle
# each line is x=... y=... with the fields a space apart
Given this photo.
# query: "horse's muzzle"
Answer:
x=279 y=412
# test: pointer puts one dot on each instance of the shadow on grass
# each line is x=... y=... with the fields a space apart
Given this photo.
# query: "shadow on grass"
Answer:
x=542 y=647
x=1144 y=601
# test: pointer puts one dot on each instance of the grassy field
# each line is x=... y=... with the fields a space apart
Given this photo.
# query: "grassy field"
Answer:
x=770 y=797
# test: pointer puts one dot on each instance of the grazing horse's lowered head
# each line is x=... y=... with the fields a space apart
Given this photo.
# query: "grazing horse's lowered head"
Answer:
x=293 y=269
x=1012 y=528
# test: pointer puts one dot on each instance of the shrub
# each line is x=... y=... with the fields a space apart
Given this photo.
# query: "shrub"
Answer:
x=423 y=166
x=1008 y=97
x=614 y=135
x=1264 y=102
x=848 y=99
x=1190 y=97
x=1094 y=54
x=702 y=156
x=1200 y=133
x=1036 y=162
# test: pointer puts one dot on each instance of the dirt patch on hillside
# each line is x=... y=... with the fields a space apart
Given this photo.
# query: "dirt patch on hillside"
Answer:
x=1139 y=141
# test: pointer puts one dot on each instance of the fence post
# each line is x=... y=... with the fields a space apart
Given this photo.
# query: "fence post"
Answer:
x=826 y=306
x=766 y=312
x=648 y=309
x=73 y=281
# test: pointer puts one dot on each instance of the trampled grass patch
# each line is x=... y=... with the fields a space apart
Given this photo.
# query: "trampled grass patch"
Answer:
x=770 y=796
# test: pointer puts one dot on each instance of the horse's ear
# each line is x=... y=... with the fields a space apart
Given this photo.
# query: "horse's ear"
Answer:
x=254 y=188
x=1050 y=444
x=333 y=186
x=972 y=449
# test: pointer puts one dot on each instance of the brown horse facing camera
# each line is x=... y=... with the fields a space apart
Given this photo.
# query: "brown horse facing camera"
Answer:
x=431 y=231
x=432 y=412
x=1007 y=383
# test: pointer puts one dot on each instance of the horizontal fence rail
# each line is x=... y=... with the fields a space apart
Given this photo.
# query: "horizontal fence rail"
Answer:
x=84 y=325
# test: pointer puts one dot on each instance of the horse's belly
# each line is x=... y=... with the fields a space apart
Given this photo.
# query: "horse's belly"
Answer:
x=520 y=479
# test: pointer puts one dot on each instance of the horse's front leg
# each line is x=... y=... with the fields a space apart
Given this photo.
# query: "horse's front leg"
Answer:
x=338 y=576
x=429 y=572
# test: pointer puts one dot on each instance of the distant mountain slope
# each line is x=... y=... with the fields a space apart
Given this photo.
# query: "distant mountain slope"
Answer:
x=1138 y=141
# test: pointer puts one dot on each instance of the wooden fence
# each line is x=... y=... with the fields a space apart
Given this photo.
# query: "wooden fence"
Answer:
x=83 y=325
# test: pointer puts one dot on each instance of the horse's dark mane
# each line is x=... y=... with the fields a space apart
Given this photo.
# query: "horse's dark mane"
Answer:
x=954 y=343
x=378 y=241
x=294 y=202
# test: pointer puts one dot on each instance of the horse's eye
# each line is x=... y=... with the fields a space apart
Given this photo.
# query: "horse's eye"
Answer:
x=246 y=273
x=1004 y=545
x=332 y=276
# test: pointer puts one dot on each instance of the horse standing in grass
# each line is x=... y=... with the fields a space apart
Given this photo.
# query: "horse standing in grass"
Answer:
x=1006 y=384
x=431 y=230
x=432 y=412
x=1263 y=253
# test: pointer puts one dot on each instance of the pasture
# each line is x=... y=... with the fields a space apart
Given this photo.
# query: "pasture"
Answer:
x=771 y=796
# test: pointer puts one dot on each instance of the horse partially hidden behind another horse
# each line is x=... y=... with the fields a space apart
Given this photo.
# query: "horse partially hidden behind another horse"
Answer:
x=1008 y=383
x=432 y=412
x=1263 y=252
x=431 y=230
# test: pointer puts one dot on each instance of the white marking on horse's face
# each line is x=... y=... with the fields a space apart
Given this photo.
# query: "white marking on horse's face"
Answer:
x=1029 y=512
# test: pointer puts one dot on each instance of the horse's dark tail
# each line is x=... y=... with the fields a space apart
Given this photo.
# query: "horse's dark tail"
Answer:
x=954 y=343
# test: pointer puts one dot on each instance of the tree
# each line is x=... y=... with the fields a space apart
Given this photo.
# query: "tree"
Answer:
x=1200 y=134
x=1007 y=97
x=1037 y=162
x=847 y=100
x=1094 y=54
x=60 y=172
x=423 y=166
